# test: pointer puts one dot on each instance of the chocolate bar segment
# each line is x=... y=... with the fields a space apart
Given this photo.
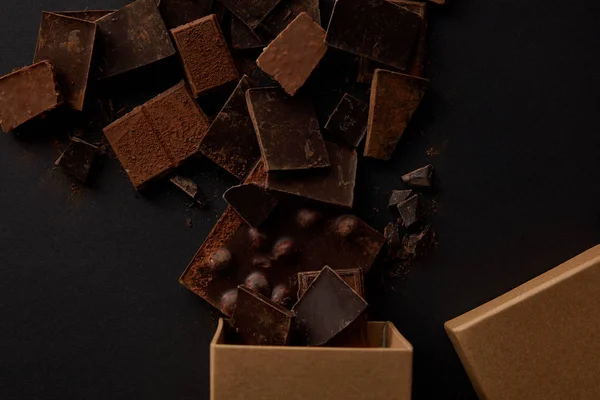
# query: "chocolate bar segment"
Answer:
x=27 y=93
x=77 y=159
x=353 y=277
x=287 y=130
x=394 y=99
x=250 y=13
x=206 y=58
x=421 y=177
x=349 y=120
x=132 y=37
x=286 y=11
x=180 y=12
x=252 y=202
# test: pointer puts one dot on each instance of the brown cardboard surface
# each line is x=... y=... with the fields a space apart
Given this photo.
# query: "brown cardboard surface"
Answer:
x=301 y=373
x=540 y=341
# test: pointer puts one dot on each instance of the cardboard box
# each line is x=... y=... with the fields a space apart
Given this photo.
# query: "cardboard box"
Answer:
x=540 y=341
x=383 y=371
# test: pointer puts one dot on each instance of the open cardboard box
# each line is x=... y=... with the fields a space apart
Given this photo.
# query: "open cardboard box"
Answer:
x=540 y=341
x=381 y=371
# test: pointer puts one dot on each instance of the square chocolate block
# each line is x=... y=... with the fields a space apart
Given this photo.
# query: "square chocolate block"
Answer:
x=27 y=93
x=353 y=277
x=77 y=159
x=287 y=130
x=132 y=37
x=250 y=13
x=349 y=120
x=206 y=59
x=180 y=12
x=86 y=15
x=68 y=43
x=286 y=11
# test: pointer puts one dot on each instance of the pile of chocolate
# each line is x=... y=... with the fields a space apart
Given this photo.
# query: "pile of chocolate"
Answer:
x=287 y=258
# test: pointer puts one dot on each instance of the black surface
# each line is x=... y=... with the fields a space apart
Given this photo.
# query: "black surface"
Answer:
x=89 y=300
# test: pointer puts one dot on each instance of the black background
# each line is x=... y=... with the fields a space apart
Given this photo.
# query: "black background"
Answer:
x=90 y=306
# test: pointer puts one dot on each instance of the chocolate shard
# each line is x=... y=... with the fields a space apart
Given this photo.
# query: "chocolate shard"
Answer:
x=206 y=59
x=422 y=177
x=250 y=13
x=410 y=211
x=132 y=37
x=376 y=29
x=86 y=15
x=418 y=244
x=392 y=240
x=292 y=57
x=243 y=37
x=252 y=202
x=349 y=120
x=286 y=11
x=353 y=277
x=287 y=130
x=333 y=186
x=397 y=197
x=190 y=188
x=77 y=159
x=68 y=43
x=327 y=307
x=28 y=93
x=259 y=321
x=394 y=99
x=180 y=12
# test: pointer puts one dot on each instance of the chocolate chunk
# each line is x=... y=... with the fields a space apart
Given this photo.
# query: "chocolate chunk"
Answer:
x=397 y=197
x=334 y=185
x=250 y=13
x=349 y=120
x=392 y=240
x=190 y=188
x=86 y=15
x=252 y=202
x=180 y=12
x=206 y=58
x=286 y=11
x=132 y=37
x=243 y=37
x=417 y=244
x=410 y=211
x=260 y=321
x=27 y=93
x=295 y=53
x=394 y=99
x=327 y=307
x=287 y=130
x=68 y=43
x=231 y=141
x=77 y=159
x=421 y=177
x=159 y=135
x=376 y=29
x=353 y=277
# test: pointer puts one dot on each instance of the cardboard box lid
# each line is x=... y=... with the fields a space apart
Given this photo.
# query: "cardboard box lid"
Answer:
x=301 y=373
x=540 y=341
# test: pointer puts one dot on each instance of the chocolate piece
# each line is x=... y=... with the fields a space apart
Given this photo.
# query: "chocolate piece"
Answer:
x=421 y=177
x=410 y=211
x=250 y=13
x=77 y=159
x=392 y=240
x=376 y=29
x=311 y=249
x=281 y=295
x=190 y=188
x=294 y=54
x=353 y=277
x=349 y=120
x=86 y=15
x=327 y=307
x=287 y=130
x=260 y=321
x=180 y=12
x=243 y=38
x=159 y=135
x=252 y=202
x=417 y=244
x=27 y=93
x=231 y=141
x=286 y=11
x=132 y=37
x=394 y=99
x=334 y=185
x=206 y=58
x=397 y=197
x=68 y=43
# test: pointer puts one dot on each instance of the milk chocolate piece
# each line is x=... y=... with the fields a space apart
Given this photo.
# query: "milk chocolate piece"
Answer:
x=243 y=37
x=376 y=29
x=86 y=15
x=295 y=53
x=353 y=277
x=287 y=130
x=231 y=141
x=392 y=240
x=286 y=11
x=250 y=13
x=259 y=321
x=252 y=202
x=327 y=307
x=349 y=120
x=410 y=211
x=68 y=43
x=206 y=58
x=397 y=197
x=132 y=37
x=27 y=93
x=180 y=12
x=334 y=185
x=77 y=159
x=394 y=99
x=421 y=177
x=190 y=188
